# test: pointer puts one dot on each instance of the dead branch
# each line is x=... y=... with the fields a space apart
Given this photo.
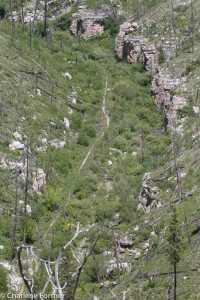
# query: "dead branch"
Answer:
x=57 y=263
x=27 y=281
x=47 y=263
x=80 y=268
x=167 y=273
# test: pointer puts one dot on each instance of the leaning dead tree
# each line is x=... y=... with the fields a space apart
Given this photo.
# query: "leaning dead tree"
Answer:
x=51 y=268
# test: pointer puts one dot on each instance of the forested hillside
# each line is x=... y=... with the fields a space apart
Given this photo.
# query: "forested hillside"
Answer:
x=99 y=149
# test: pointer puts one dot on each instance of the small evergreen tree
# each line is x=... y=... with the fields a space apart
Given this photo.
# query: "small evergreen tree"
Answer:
x=175 y=245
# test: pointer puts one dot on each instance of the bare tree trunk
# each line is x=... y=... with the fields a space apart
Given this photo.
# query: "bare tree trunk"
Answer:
x=36 y=83
x=12 y=22
x=26 y=194
x=12 y=31
x=48 y=176
x=22 y=12
x=57 y=263
x=96 y=267
x=176 y=167
x=103 y=271
x=52 y=93
x=116 y=256
x=175 y=282
x=30 y=36
x=23 y=274
x=173 y=23
x=15 y=221
x=52 y=240
x=173 y=19
x=34 y=18
x=45 y=18
x=138 y=9
x=192 y=25
x=142 y=147
x=80 y=268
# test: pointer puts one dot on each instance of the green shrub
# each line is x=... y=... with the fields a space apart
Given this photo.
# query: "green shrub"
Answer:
x=76 y=121
x=51 y=198
x=186 y=111
x=3 y=280
x=145 y=81
x=85 y=187
x=181 y=8
x=39 y=28
x=120 y=143
x=2 y=11
x=90 y=131
x=161 y=57
x=63 y=22
x=126 y=91
x=30 y=232
x=83 y=140
x=112 y=25
x=105 y=211
x=62 y=161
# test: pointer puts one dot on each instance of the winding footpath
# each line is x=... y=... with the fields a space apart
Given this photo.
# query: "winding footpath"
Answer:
x=102 y=134
x=85 y=159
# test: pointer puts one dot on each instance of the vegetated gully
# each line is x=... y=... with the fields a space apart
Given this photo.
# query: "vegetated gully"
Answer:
x=106 y=127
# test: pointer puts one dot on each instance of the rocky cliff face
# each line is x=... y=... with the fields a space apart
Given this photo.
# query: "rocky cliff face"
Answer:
x=89 y=23
x=162 y=90
x=133 y=48
x=138 y=48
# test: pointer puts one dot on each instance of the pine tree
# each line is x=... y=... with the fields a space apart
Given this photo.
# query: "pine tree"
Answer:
x=175 y=245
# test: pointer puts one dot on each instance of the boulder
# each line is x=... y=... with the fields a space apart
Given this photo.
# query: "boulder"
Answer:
x=126 y=243
x=17 y=135
x=38 y=92
x=110 y=163
x=41 y=149
x=136 y=228
x=57 y=144
x=66 y=123
x=39 y=180
x=16 y=145
x=12 y=165
x=137 y=255
x=113 y=266
x=67 y=75
x=28 y=210
x=28 y=207
x=196 y=110
x=73 y=97
x=148 y=195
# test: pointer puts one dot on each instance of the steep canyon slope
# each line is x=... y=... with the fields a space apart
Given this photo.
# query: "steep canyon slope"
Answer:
x=99 y=116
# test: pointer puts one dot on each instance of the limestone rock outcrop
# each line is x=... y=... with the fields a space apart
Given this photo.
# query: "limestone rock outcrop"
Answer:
x=162 y=87
x=148 y=195
x=39 y=180
x=113 y=266
x=66 y=123
x=16 y=145
x=88 y=23
x=132 y=48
